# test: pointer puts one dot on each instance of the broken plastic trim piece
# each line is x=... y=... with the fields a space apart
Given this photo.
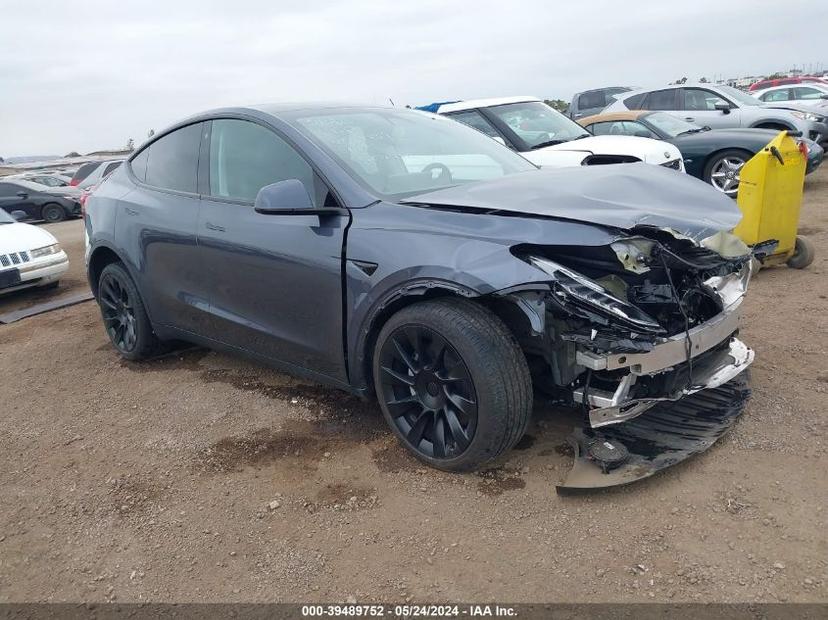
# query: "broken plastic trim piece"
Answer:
x=667 y=434
x=613 y=408
x=48 y=306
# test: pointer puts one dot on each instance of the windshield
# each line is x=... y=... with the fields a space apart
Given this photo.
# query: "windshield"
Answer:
x=738 y=96
x=671 y=125
x=5 y=218
x=399 y=153
x=537 y=124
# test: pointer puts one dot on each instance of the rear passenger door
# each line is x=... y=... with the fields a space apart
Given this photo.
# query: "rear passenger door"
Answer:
x=275 y=280
x=156 y=225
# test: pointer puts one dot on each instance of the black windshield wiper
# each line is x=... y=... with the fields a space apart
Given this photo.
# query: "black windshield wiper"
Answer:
x=582 y=136
x=540 y=145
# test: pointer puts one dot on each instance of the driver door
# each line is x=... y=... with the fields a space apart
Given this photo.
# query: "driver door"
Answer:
x=275 y=281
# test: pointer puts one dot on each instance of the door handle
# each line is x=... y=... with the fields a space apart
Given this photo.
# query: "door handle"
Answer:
x=689 y=119
x=129 y=211
x=215 y=227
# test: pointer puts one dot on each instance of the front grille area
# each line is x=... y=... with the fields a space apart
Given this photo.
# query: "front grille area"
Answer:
x=14 y=258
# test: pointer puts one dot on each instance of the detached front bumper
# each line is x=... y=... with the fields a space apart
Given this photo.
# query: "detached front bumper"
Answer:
x=709 y=353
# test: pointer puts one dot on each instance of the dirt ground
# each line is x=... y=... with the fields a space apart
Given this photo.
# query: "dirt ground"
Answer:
x=201 y=477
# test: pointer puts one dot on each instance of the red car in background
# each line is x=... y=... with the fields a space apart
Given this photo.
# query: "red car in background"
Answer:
x=785 y=81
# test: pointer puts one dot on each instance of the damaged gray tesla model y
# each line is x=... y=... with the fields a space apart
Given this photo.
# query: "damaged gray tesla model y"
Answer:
x=400 y=254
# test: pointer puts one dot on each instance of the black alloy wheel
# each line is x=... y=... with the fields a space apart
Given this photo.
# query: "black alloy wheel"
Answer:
x=428 y=391
x=452 y=382
x=125 y=319
x=118 y=313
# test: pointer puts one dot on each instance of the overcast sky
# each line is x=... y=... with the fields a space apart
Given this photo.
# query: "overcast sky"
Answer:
x=89 y=74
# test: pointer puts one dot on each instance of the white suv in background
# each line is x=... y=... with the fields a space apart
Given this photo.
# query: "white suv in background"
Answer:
x=546 y=137
x=722 y=107
x=803 y=94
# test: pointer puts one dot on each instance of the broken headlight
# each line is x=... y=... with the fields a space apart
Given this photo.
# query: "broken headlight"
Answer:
x=580 y=290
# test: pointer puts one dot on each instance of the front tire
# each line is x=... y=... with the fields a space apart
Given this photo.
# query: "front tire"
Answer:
x=125 y=319
x=453 y=383
x=723 y=170
x=53 y=213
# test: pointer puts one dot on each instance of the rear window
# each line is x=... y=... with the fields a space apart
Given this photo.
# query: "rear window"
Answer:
x=634 y=102
x=594 y=99
x=85 y=170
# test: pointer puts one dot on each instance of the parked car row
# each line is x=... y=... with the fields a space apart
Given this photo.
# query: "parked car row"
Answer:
x=713 y=155
x=548 y=138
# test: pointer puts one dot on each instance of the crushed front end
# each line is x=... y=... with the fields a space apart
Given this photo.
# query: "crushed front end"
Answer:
x=634 y=332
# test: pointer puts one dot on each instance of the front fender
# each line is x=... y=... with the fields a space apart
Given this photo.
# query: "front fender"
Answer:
x=397 y=251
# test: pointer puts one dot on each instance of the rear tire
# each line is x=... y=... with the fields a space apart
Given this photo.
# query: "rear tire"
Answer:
x=53 y=213
x=125 y=319
x=803 y=255
x=452 y=383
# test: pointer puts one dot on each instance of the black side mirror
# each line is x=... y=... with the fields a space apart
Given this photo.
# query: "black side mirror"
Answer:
x=722 y=106
x=19 y=215
x=22 y=194
x=823 y=96
x=288 y=197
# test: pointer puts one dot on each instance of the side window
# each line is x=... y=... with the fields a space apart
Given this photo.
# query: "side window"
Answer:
x=244 y=157
x=635 y=102
x=173 y=160
x=139 y=164
x=621 y=128
x=634 y=128
x=699 y=99
x=594 y=99
x=661 y=100
x=7 y=189
x=473 y=118
x=805 y=92
x=776 y=95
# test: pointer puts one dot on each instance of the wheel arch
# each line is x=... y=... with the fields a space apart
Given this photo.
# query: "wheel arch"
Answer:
x=515 y=318
x=773 y=123
x=99 y=258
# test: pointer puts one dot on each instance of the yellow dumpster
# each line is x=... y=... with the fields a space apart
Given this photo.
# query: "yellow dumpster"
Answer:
x=770 y=195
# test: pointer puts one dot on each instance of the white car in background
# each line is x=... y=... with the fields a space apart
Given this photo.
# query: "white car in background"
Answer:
x=29 y=256
x=546 y=137
x=804 y=94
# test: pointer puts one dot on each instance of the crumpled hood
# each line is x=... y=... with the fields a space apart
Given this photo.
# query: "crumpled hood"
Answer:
x=620 y=196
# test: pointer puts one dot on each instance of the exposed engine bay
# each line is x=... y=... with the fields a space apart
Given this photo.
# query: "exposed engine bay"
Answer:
x=648 y=319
